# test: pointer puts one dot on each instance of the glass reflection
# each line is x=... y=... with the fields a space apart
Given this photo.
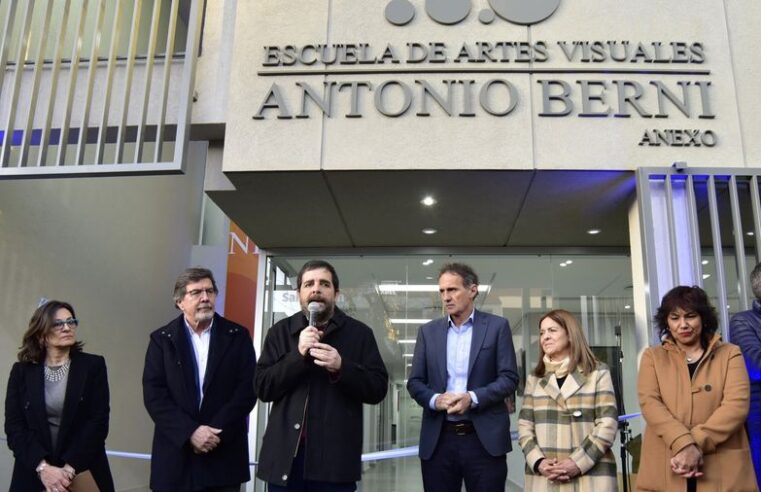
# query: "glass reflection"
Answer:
x=396 y=294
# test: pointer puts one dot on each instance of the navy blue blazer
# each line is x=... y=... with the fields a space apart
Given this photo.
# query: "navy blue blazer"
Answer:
x=84 y=423
x=492 y=376
x=170 y=395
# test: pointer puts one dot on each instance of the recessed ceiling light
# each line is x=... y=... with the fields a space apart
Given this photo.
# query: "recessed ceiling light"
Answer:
x=563 y=265
x=704 y=262
x=627 y=306
x=593 y=232
x=706 y=275
x=407 y=355
x=429 y=277
x=749 y=233
x=568 y=262
x=406 y=341
x=428 y=201
x=428 y=262
x=429 y=231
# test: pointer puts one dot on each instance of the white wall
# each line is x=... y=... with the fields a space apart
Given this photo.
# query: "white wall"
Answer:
x=523 y=139
x=741 y=23
x=113 y=248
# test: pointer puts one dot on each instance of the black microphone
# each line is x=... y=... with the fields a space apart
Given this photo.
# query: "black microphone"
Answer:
x=617 y=330
x=314 y=309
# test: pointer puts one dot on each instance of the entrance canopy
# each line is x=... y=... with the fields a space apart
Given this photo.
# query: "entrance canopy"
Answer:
x=489 y=209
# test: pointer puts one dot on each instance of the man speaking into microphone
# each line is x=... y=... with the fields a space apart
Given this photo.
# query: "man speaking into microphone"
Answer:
x=317 y=368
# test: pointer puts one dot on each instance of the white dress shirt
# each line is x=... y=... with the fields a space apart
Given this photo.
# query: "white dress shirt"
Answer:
x=201 y=342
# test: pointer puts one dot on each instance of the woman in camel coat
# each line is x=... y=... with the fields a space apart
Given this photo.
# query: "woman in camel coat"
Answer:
x=694 y=395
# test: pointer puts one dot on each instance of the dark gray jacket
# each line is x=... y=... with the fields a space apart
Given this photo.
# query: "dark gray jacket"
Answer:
x=333 y=416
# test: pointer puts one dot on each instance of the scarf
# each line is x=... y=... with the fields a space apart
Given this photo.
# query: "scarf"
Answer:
x=560 y=368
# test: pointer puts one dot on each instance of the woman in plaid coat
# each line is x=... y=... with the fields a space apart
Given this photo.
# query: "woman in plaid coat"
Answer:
x=569 y=417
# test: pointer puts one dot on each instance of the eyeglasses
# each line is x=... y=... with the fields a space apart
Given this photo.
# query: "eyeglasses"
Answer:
x=60 y=323
x=196 y=293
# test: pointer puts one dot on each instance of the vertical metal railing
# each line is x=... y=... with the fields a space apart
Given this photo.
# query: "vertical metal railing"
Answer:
x=737 y=232
x=85 y=121
x=165 y=79
x=671 y=221
x=120 y=137
x=20 y=57
x=150 y=57
x=718 y=256
x=756 y=203
x=109 y=79
x=55 y=72
x=693 y=227
x=88 y=121
x=724 y=231
x=26 y=136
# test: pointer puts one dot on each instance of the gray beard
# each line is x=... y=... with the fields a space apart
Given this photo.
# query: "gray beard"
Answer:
x=205 y=316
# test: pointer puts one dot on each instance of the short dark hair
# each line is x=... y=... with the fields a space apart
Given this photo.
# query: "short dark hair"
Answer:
x=190 y=275
x=33 y=343
x=690 y=299
x=755 y=281
x=468 y=275
x=317 y=265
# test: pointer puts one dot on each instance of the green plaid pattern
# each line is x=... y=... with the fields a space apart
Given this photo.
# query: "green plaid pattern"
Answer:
x=578 y=421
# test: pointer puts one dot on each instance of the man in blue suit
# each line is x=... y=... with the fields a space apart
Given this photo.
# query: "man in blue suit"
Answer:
x=745 y=331
x=462 y=371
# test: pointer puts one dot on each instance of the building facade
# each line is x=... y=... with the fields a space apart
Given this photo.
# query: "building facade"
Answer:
x=578 y=154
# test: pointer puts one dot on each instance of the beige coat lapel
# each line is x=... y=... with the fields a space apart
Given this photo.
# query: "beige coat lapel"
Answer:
x=572 y=384
x=550 y=385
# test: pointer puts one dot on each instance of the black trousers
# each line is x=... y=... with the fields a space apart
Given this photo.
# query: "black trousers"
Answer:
x=461 y=458
x=297 y=483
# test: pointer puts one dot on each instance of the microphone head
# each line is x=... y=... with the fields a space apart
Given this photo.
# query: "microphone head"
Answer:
x=617 y=330
x=314 y=308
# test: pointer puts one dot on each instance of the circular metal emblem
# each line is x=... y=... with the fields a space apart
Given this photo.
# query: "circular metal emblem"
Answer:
x=524 y=11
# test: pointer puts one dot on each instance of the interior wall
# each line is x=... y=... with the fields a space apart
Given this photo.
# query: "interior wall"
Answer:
x=113 y=248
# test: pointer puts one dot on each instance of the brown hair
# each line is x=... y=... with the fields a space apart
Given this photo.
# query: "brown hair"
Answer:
x=581 y=355
x=33 y=343
x=317 y=265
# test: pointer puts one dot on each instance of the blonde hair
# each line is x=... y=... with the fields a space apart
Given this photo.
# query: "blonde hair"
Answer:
x=581 y=355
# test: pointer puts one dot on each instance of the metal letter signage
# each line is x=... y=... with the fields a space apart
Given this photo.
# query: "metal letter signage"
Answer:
x=454 y=77
x=448 y=12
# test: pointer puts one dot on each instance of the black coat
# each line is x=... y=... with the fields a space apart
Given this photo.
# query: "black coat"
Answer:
x=170 y=396
x=84 y=423
x=334 y=415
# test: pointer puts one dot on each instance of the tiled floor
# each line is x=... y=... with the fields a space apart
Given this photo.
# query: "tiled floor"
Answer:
x=399 y=475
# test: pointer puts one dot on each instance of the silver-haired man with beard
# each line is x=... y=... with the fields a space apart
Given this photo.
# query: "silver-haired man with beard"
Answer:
x=317 y=368
x=198 y=387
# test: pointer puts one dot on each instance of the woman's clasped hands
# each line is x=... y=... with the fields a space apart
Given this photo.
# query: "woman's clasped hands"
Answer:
x=559 y=471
